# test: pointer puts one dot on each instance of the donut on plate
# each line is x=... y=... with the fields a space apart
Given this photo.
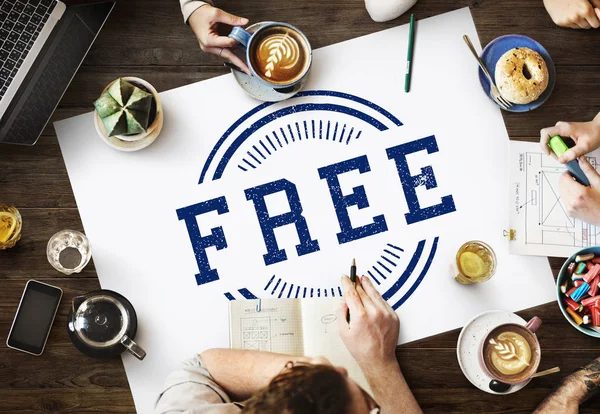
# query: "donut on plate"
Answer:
x=521 y=75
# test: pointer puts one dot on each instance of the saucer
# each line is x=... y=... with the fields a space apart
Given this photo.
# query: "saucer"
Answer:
x=253 y=86
x=467 y=348
x=496 y=48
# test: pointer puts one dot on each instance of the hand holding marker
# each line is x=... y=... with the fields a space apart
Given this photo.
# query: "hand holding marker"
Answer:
x=559 y=147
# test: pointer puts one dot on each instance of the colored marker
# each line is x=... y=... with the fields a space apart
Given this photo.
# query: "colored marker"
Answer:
x=559 y=147
x=411 y=39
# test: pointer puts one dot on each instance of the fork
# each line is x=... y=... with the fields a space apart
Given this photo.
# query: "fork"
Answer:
x=496 y=95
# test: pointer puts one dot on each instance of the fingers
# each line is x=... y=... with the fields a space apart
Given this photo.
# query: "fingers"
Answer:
x=565 y=129
x=342 y=314
x=373 y=293
x=364 y=296
x=222 y=16
x=583 y=23
x=230 y=56
x=220 y=41
x=561 y=128
x=591 y=17
x=571 y=192
x=580 y=149
x=597 y=10
x=353 y=300
x=590 y=172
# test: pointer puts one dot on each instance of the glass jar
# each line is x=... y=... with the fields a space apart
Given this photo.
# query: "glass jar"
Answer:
x=10 y=226
x=475 y=263
x=69 y=251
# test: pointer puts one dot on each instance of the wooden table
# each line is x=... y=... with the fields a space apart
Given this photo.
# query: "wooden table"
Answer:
x=148 y=39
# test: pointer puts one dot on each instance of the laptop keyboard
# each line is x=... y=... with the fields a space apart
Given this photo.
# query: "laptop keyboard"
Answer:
x=20 y=24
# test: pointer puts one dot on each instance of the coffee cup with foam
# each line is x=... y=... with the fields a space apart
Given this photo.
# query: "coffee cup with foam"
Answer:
x=278 y=55
x=511 y=352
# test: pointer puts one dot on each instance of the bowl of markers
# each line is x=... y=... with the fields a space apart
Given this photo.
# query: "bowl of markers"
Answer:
x=578 y=291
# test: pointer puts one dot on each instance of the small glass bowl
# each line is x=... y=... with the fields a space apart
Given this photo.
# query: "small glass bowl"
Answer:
x=16 y=234
x=63 y=240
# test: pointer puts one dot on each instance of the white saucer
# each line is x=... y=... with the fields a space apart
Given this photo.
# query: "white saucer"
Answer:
x=467 y=348
x=253 y=86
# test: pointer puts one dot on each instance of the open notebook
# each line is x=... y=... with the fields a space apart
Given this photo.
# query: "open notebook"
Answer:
x=292 y=326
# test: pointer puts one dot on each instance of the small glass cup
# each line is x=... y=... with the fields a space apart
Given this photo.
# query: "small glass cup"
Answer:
x=69 y=251
x=475 y=263
x=10 y=226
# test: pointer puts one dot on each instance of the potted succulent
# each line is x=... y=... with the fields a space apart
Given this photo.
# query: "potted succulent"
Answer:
x=128 y=114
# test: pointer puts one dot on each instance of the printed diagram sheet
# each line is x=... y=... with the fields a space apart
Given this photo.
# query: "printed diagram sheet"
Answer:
x=537 y=212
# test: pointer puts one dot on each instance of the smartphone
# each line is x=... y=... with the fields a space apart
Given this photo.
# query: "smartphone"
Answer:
x=34 y=318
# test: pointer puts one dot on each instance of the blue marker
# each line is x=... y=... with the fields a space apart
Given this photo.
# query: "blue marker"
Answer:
x=559 y=147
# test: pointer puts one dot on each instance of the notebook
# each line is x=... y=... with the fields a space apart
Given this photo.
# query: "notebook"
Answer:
x=292 y=326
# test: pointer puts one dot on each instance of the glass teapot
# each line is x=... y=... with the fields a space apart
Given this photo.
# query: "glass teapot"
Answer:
x=103 y=324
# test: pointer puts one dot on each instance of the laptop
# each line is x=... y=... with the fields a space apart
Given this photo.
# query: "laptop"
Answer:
x=42 y=44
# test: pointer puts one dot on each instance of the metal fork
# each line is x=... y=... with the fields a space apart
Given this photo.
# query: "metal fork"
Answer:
x=500 y=100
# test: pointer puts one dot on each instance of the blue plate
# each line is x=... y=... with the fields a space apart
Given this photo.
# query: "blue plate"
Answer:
x=497 y=47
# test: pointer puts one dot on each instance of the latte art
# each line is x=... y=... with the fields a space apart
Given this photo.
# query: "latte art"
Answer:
x=279 y=55
x=510 y=353
x=283 y=51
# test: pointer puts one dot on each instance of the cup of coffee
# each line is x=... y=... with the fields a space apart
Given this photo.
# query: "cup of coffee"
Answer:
x=278 y=54
x=511 y=353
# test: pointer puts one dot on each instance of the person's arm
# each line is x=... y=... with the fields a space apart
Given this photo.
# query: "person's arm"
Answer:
x=371 y=337
x=573 y=391
x=190 y=6
x=575 y=14
x=241 y=373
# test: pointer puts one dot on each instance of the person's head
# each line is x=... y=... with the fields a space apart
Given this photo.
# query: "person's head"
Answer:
x=317 y=388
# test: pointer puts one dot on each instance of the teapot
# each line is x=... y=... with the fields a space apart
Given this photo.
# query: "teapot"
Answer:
x=103 y=324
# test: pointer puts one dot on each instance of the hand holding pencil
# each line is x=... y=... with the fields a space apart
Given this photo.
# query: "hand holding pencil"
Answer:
x=372 y=333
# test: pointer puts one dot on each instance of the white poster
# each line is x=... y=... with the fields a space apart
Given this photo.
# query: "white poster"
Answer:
x=241 y=199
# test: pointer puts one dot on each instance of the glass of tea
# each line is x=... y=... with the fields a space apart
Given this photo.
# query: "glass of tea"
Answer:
x=69 y=251
x=10 y=226
x=475 y=262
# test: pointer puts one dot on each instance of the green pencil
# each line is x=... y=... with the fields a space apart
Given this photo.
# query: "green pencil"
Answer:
x=411 y=41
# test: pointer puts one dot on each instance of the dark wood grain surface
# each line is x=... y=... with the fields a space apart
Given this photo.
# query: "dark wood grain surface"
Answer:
x=148 y=39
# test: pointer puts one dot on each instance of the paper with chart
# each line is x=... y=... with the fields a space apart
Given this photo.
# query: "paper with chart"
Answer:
x=292 y=326
x=537 y=213
x=242 y=199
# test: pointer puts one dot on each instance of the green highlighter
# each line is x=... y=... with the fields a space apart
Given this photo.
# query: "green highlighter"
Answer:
x=558 y=146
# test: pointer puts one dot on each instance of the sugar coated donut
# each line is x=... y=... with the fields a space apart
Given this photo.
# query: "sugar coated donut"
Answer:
x=521 y=75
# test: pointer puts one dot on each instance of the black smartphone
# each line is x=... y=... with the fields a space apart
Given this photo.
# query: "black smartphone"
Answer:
x=34 y=318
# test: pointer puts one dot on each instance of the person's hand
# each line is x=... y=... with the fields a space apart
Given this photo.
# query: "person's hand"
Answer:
x=576 y=14
x=582 y=202
x=585 y=134
x=205 y=21
x=372 y=333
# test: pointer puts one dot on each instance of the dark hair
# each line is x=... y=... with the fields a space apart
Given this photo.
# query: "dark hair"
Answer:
x=303 y=389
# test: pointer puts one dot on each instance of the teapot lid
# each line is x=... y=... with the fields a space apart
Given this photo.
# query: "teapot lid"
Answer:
x=101 y=321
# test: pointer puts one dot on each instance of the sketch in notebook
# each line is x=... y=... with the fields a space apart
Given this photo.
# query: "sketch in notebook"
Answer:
x=327 y=319
x=256 y=333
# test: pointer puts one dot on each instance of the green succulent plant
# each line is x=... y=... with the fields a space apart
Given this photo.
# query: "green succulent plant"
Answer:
x=124 y=109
